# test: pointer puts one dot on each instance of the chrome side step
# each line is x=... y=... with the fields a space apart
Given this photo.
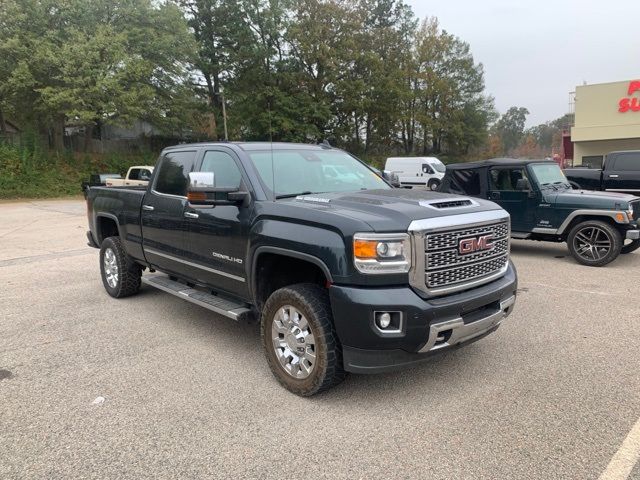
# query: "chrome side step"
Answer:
x=218 y=304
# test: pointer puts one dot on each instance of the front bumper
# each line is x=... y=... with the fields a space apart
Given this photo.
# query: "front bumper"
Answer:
x=428 y=327
x=633 y=234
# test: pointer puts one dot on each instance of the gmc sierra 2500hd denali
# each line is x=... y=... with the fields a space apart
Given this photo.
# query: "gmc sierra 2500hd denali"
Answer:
x=344 y=273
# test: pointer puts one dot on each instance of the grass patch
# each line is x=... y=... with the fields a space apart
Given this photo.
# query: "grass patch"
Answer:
x=36 y=173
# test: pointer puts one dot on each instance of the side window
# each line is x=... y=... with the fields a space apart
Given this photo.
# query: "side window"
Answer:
x=173 y=173
x=505 y=179
x=468 y=181
x=225 y=170
x=627 y=162
x=145 y=175
x=592 y=161
x=134 y=174
x=426 y=168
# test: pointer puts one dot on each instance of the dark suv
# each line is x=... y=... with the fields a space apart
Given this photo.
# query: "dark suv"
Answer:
x=543 y=206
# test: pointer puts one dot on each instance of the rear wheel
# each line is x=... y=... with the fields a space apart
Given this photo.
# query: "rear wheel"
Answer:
x=631 y=246
x=300 y=341
x=594 y=243
x=120 y=274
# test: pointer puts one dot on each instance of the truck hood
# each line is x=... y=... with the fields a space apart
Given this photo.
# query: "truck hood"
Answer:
x=590 y=199
x=391 y=210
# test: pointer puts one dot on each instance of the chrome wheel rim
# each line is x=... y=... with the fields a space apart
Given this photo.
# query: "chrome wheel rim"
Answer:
x=110 y=268
x=293 y=342
x=592 y=243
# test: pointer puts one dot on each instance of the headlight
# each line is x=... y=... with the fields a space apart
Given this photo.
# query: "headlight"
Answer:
x=382 y=252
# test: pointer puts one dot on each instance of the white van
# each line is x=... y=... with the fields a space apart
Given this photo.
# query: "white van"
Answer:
x=421 y=172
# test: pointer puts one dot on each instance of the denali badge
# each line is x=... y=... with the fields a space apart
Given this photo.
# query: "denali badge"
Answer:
x=471 y=245
x=226 y=257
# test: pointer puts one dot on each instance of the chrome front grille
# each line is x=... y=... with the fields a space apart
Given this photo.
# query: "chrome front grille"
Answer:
x=445 y=270
x=465 y=273
x=635 y=206
x=438 y=240
x=451 y=257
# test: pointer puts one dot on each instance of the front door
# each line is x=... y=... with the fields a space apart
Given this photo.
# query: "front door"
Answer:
x=163 y=208
x=506 y=190
x=217 y=237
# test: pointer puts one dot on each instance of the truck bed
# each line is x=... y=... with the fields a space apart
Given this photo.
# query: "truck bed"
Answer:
x=587 y=178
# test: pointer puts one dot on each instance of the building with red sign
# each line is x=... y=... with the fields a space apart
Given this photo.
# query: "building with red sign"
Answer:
x=607 y=119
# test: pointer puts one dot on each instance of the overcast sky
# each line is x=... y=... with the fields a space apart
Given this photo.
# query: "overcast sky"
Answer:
x=536 y=51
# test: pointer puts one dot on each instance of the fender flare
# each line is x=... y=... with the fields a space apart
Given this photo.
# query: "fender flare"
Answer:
x=285 y=253
x=111 y=217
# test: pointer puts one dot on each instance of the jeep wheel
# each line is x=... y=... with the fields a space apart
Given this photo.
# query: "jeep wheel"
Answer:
x=120 y=274
x=631 y=246
x=300 y=341
x=594 y=243
x=433 y=184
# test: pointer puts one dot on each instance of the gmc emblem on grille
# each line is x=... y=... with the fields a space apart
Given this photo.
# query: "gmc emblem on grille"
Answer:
x=477 y=244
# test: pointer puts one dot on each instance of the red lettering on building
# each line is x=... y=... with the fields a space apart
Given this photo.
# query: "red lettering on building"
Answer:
x=633 y=87
x=630 y=104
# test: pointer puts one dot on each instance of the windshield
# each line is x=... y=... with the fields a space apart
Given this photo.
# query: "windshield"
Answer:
x=439 y=166
x=549 y=174
x=311 y=171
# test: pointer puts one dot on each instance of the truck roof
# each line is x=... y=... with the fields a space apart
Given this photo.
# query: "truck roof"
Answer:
x=250 y=146
x=496 y=162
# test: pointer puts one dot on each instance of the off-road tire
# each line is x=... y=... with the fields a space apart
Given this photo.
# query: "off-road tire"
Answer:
x=630 y=247
x=612 y=234
x=433 y=184
x=313 y=302
x=129 y=272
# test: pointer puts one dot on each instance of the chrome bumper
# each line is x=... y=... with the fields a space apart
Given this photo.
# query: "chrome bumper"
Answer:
x=450 y=332
x=633 y=234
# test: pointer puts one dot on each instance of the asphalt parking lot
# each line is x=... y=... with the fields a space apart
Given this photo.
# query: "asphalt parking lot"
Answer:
x=154 y=387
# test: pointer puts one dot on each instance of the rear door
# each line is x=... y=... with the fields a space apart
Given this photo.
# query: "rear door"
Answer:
x=520 y=204
x=622 y=172
x=163 y=209
x=217 y=237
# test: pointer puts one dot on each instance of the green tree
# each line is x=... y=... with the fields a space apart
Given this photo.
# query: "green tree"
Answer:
x=91 y=62
x=510 y=127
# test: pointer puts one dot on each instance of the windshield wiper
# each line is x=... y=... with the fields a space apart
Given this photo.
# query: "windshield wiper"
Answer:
x=291 y=195
x=550 y=185
x=564 y=184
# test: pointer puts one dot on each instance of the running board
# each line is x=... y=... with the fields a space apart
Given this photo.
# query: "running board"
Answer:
x=221 y=305
x=520 y=235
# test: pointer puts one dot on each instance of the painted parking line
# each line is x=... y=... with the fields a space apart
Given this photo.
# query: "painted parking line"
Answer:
x=626 y=457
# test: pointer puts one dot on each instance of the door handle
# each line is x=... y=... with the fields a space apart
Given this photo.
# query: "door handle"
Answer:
x=614 y=176
x=148 y=208
x=191 y=215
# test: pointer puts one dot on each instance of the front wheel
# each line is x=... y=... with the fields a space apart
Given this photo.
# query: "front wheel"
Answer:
x=299 y=339
x=433 y=184
x=120 y=274
x=631 y=246
x=594 y=243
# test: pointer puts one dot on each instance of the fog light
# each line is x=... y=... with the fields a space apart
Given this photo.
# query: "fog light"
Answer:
x=384 y=320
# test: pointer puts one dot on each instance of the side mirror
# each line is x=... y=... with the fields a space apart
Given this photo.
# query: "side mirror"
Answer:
x=523 y=185
x=202 y=191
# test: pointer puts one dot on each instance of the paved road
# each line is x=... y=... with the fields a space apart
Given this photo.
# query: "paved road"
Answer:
x=552 y=394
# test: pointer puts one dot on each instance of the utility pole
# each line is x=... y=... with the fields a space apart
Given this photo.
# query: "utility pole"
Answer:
x=224 y=115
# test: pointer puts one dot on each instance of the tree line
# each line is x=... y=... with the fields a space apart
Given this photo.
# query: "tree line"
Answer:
x=366 y=75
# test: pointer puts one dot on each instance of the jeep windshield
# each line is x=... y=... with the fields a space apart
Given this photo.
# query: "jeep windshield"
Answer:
x=305 y=171
x=549 y=175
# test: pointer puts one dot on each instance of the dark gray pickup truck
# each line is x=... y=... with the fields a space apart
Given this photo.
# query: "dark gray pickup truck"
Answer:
x=343 y=272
